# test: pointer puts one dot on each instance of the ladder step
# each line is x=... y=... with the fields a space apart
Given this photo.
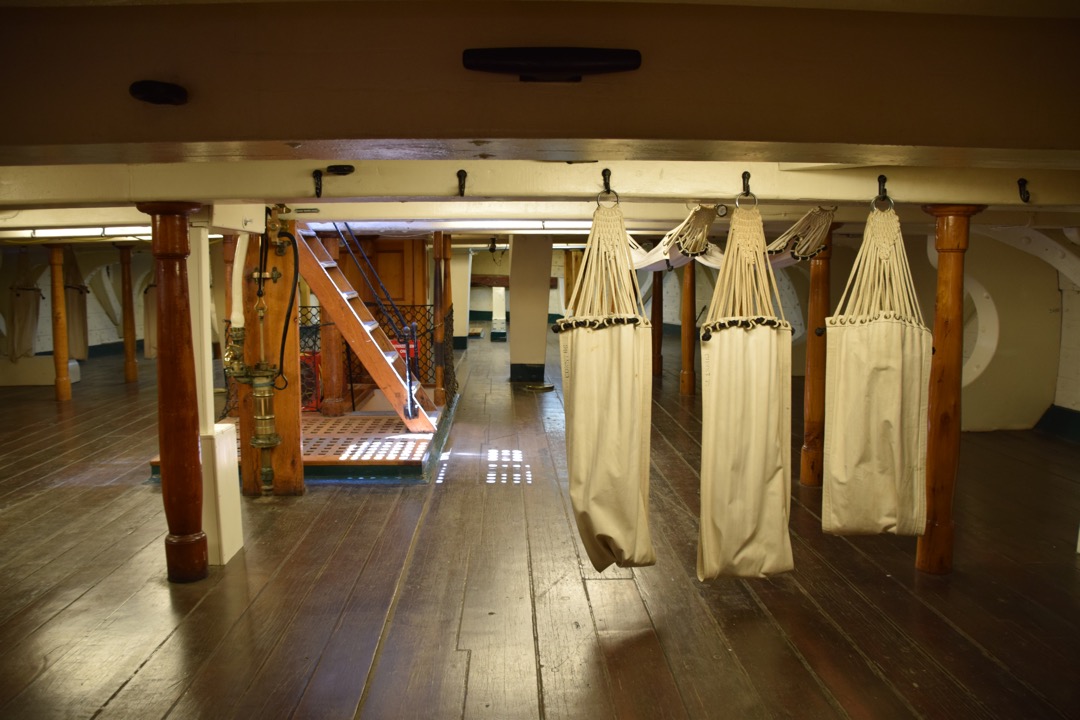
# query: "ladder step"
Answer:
x=370 y=325
x=328 y=264
x=350 y=294
x=391 y=355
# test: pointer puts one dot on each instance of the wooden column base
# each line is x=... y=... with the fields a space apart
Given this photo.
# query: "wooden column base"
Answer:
x=935 y=558
x=332 y=407
x=186 y=557
x=688 y=375
x=811 y=467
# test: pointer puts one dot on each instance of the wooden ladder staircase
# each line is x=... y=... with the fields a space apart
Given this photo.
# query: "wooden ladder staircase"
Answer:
x=343 y=305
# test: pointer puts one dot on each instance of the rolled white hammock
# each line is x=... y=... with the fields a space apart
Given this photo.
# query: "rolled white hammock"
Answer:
x=687 y=241
x=605 y=349
x=746 y=424
x=876 y=385
x=806 y=237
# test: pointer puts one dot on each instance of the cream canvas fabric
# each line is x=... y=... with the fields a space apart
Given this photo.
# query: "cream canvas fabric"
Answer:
x=746 y=453
x=150 y=322
x=605 y=352
x=607 y=391
x=25 y=307
x=75 y=292
x=746 y=422
x=876 y=387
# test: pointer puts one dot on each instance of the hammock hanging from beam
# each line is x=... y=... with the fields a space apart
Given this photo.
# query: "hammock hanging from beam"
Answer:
x=605 y=351
x=26 y=300
x=746 y=418
x=876 y=387
x=806 y=238
x=689 y=241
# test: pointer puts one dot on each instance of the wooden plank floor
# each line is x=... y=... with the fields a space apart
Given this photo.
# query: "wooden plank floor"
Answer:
x=471 y=596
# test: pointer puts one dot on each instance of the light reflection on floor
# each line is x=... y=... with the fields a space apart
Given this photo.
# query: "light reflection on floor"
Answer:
x=507 y=467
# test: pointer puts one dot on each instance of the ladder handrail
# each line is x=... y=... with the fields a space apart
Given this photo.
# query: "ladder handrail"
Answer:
x=348 y=246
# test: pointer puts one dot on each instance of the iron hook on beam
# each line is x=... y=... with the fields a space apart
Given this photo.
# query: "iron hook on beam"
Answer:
x=461 y=177
x=1025 y=194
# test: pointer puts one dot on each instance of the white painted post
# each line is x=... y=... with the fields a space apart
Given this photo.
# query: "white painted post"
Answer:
x=222 y=521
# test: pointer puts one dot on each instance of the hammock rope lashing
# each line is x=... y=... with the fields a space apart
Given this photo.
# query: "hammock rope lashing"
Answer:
x=876 y=393
x=605 y=353
x=746 y=423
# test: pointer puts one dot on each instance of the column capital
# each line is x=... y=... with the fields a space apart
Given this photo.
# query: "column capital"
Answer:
x=170 y=228
x=953 y=210
x=172 y=207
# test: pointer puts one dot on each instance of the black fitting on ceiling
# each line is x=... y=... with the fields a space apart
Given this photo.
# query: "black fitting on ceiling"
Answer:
x=551 y=64
x=606 y=175
x=339 y=170
x=746 y=182
x=881 y=194
x=1025 y=195
x=158 y=92
x=462 y=176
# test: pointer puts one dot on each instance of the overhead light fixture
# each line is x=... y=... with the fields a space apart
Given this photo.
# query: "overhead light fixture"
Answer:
x=67 y=232
x=567 y=224
x=127 y=230
x=505 y=225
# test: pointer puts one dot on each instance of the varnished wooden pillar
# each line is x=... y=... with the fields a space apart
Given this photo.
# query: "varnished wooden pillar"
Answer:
x=283 y=462
x=813 y=448
x=688 y=376
x=571 y=266
x=657 y=323
x=127 y=302
x=439 y=247
x=59 y=323
x=448 y=289
x=935 y=547
x=228 y=254
x=178 y=414
x=332 y=354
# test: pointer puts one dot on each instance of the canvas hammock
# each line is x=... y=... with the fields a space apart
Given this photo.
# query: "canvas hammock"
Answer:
x=26 y=300
x=75 y=292
x=746 y=419
x=605 y=349
x=806 y=238
x=150 y=322
x=876 y=384
x=689 y=241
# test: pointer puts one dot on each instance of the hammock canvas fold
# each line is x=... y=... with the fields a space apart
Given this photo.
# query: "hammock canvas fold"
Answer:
x=876 y=387
x=150 y=322
x=25 y=308
x=605 y=352
x=806 y=238
x=746 y=418
x=75 y=292
x=687 y=241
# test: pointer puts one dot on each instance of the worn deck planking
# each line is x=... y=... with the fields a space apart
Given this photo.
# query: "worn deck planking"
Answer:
x=472 y=596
